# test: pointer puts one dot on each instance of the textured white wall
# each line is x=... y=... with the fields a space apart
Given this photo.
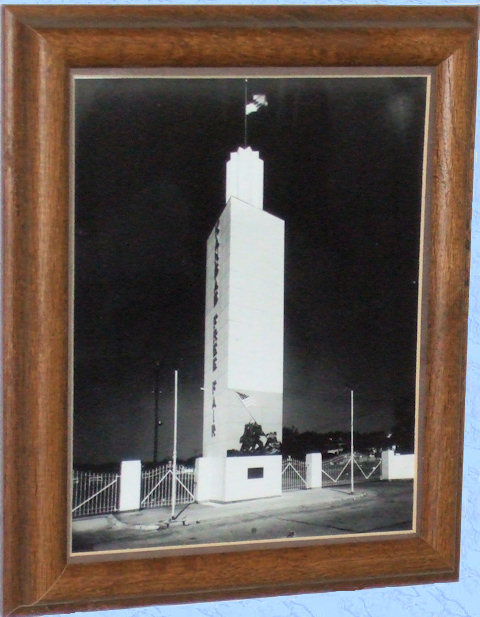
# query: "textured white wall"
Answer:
x=439 y=600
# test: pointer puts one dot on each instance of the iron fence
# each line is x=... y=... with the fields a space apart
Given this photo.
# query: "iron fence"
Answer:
x=337 y=471
x=94 y=493
x=294 y=474
x=157 y=486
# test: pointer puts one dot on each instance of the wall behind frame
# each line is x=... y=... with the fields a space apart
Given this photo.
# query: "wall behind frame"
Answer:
x=437 y=600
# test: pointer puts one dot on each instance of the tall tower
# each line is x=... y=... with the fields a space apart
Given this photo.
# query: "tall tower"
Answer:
x=243 y=376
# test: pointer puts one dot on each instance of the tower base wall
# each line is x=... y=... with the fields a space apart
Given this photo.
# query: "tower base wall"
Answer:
x=236 y=478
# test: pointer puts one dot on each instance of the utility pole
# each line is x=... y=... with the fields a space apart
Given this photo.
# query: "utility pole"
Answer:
x=174 y=456
x=351 y=443
x=156 y=392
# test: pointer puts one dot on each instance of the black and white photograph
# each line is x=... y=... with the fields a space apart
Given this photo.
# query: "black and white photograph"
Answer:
x=246 y=315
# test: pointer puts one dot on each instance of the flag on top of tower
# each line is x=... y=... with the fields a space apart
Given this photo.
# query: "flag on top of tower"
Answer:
x=258 y=101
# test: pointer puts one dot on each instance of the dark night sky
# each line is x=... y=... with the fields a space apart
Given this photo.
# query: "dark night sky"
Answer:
x=343 y=161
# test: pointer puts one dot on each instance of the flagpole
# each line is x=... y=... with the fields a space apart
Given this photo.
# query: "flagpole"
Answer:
x=351 y=442
x=174 y=457
x=245 y=116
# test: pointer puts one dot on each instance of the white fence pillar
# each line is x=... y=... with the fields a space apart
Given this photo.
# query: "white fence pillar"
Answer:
x=204 y=482
x=130 y=485
x=397 y=466
x=314 y=470
x=385 y=464
x=210 y=478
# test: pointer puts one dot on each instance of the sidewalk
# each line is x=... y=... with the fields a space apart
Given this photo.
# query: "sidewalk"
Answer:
x=374 y=507
x=152 y=518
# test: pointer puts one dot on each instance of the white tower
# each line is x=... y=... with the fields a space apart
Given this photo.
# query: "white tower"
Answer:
x=243 y=337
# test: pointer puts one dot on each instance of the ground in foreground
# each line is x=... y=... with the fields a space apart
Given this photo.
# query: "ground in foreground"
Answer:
x=374 y=507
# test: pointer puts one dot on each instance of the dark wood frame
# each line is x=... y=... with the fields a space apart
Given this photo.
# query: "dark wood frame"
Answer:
x=41 y=44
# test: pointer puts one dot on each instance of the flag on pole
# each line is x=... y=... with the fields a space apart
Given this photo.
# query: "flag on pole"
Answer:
x=258 y=101
x=246 y=399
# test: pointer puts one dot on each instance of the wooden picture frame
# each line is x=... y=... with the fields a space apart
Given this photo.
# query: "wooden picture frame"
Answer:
x=41 y=45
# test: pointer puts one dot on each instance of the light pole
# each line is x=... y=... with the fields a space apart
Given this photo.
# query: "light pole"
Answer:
x=156 y=392
x=174 y=455
x=351 y=443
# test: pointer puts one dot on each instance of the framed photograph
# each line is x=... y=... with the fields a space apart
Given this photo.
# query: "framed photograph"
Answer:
x=246 y=307
x=236 y=273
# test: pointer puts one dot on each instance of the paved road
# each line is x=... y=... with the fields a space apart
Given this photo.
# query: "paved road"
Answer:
x=375 y=506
